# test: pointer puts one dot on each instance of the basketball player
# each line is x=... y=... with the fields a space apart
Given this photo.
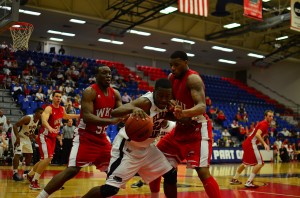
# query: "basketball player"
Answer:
x=90 y=144
x=21 y=140
x=130 y=157
x=166 y=127
x=252 y=156
x=192 y=142
x=51 y=122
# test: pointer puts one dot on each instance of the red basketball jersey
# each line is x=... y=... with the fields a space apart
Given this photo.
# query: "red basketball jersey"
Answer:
x=54 y=121
x=263 y=126
x=183 y=98
x=103 y=105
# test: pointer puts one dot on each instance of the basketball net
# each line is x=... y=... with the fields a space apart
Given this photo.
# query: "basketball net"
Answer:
x=21 y=32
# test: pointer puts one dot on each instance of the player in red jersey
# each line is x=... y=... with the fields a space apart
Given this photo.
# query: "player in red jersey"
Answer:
x=90 y=145
x=51 y=121
x=192 y=142
x=252 y=156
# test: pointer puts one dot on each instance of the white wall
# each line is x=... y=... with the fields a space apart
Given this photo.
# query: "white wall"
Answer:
x=282 y=77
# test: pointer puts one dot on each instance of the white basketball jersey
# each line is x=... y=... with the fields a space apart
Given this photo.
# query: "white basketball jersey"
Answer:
x=167 y=129
x=26 y=130
x=157 y=115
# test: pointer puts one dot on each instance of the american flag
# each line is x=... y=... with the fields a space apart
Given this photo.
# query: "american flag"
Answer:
x=197 y=7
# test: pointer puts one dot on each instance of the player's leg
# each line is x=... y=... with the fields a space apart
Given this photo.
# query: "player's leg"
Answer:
x=27 y=153
x=254 y=158
x=16 y=161
x=209 y=183
x=235 y=179
x=58 y=181
x=170 y=183
x=101 y=191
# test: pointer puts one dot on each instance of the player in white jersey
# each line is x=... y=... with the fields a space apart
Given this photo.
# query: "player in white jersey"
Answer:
x=21 y=140
x=129 y=157
x=166 y=127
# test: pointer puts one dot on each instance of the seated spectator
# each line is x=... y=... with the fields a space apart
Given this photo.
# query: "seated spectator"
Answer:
x=243 y=131
x=241 y=109
x=238 y=117
x=290 y=152
x=39 y=96
x=225 y=133
x=43 y=63
x=7 y=82
x=235 y=128
x=3 y=142
x=212 y=112
x=76 y=104
x=29 y=61
x=126 y=98
x=220 y=118
x=285 y=132
x=208 y=101
x=17 y=90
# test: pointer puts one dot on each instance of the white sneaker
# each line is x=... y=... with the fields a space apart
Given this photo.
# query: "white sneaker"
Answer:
x=251 y=185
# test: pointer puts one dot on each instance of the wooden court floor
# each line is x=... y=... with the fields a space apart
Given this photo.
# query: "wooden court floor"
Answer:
x=278 y=180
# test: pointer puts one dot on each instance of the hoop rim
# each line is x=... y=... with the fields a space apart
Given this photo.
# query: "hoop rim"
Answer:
x=27 y=25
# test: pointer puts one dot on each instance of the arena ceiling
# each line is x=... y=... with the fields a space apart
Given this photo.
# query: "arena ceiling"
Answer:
x=116 y=15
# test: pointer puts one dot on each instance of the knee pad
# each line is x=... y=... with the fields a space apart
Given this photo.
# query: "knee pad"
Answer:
x=108 y=191
x=171 y=176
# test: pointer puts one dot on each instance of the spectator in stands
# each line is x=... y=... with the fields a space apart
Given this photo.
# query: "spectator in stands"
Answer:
x=126 y=98
x=30 y=62
x=235 y=128
x=92 y=79
x=225 y=133
x=243 y=131
x=7 y=127
x=49 y=92
x=7 y=63
x=283 y=153
x=61 y=50
x=220 y=118
x=76 y=104
x=238 y=117
x=34 y=89
x=285 y=132
x=3 y=142
x=43 y=63
x=68 y=89
x=278 y=143
x=212 y=112
x=39 y=96
x=7 y=81
x=241 y=108
x=70 y=81
x=17 y=90
x=208 y=101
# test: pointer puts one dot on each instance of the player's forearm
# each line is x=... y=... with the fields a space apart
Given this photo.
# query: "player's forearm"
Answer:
x=194 y=111
x=71 y=116
x=123 y=110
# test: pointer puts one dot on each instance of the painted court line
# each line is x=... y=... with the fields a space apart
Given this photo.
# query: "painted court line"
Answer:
x=285 y=195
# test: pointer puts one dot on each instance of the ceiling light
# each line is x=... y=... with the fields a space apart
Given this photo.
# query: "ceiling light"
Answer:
x=110 y=41
x=77 y=21
x=182 y=41
x=29 y=12
x=222 y=49
x=281 y=38
x=227 y=61
x=139 y=32
x=190 y=55
x=155 y=48
x=266 y=1
x=22 y=11
x=256 y=55
x=56 y=39
x=60 y=33
x=232 y=25
x=168 y=10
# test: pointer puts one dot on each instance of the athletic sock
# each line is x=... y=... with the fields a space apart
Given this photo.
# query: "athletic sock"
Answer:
x=43 y=194
x=36 y=177
x=251 y=177
x=15 y=171
x=211 y=187
x=236 y=176
x=31 y=172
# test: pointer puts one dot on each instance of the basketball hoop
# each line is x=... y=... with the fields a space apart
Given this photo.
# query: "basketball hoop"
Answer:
x=21 y=32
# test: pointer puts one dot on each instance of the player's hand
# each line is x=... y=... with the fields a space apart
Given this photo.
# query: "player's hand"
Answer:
x=171 y=105
x=17 y=143
x=51 y=130
x=116 y=120
x=178 y=112
x=139 y=113
x=267 y=147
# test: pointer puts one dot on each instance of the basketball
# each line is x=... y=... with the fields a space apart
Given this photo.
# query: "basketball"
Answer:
x=137 y=129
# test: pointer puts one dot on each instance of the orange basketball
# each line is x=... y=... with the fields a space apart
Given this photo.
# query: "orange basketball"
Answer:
x=137 y=129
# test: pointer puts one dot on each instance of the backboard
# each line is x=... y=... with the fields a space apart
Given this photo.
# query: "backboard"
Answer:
x=9 y=13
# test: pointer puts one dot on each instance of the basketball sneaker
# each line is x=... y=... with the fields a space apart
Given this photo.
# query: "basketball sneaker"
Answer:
x=16 y=177
x=235 y=182
x=137 y=184
x=28 y=177
x=34 y=185
x=250 y=184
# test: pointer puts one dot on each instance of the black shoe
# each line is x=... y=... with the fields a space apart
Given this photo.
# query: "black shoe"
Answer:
x=16 y=177
x=137 y=184
x=26 y=172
